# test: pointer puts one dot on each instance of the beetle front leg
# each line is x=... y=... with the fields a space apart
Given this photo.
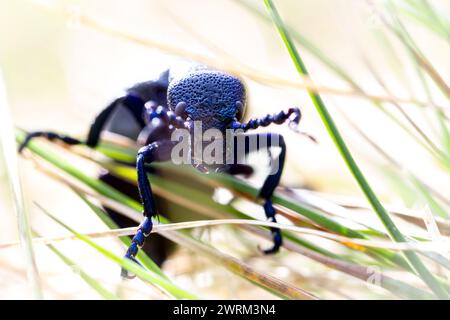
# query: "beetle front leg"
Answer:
x=157 y=151
x=269 y=187
x=270 y=184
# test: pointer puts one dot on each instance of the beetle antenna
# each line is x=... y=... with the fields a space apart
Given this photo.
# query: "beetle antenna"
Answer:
x=293 y=116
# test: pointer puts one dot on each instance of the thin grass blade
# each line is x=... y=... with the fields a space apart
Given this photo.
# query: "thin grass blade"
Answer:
x=90 y=281
x=9 y=152
x=334 y=133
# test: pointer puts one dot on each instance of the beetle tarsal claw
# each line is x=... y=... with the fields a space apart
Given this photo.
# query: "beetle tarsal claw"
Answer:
x=293 y=126
x=125 y=274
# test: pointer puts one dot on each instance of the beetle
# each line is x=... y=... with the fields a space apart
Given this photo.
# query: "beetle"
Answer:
x=174 y=102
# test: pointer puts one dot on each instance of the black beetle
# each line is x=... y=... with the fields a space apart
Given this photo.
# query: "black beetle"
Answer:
x=160 y=107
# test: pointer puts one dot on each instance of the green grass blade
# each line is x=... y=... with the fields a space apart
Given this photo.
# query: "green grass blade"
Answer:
x=280 y=288
x=439 y=114
x=67 y=167
x=435 y=207
x=399 y=30
x=305 y=42
x=186 y=195
x=141 y=256
x=242 y=187
x=322 y=256
x=422 y=65
x=397 y=287
x=307 y=212
x=340 y=72
x=140 y=272
x=252 y=192
x=422 y=12
x=316 y=253
x=9 y=151
x=263 y=281
x=334 y=133
x=116 y=152
x=94 y=284
x=266 y=282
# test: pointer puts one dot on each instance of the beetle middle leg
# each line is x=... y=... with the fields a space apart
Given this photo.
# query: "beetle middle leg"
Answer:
x=247 y=143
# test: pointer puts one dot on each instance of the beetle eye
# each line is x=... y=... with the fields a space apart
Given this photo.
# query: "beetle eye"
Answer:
x=180 y=109
x=239 y=110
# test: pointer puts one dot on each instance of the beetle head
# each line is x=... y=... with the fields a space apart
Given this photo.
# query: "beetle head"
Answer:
x=215 y=98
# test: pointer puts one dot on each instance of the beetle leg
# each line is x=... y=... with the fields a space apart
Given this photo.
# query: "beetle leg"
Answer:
x=132 y=103
x=159 y=248
x=50 y=136
x=239 y=169
x=293 y=115
x=157 y=151
x=266 y=141
x=269 y=187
